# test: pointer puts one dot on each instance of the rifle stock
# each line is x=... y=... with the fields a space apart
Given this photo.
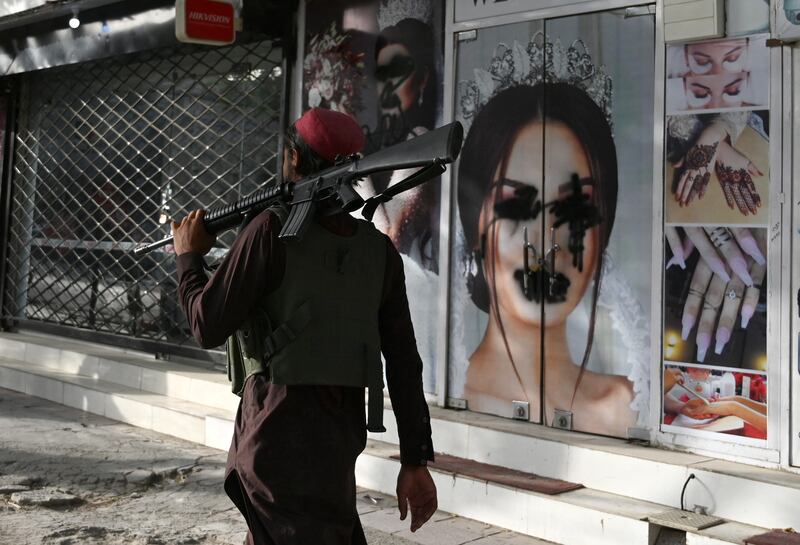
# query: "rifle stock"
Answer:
x=433 y=149
x=443 y=143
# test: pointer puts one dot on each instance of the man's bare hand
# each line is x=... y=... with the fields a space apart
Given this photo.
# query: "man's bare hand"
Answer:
x=190 y=235
x=415 y=488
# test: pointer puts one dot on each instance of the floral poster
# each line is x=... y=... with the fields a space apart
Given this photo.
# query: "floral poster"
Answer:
x=382 y=62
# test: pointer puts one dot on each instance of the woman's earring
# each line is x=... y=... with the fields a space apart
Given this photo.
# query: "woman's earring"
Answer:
x=476 y=280
x=419 y=100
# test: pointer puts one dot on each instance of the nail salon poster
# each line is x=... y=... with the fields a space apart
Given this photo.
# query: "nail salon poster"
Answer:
x=716 y=194
x=381 y=62
x=583 y=309
x=729 y=403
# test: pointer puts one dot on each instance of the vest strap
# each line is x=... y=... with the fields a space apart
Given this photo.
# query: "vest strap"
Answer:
x=375 y=398
x=375 y=409
x=287 y=331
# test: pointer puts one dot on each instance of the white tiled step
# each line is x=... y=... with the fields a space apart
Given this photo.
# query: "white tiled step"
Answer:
x=583 y=516
x=724 y=534
x=747 y=494
x=579 y=517
x=734 y=491
x=191 y=421
x=134 y=370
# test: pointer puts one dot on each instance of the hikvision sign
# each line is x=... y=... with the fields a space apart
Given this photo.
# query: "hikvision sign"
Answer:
x=210 y=22
x=210 y=18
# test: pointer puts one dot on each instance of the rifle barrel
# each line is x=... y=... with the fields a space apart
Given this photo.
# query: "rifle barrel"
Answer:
x=431 y=150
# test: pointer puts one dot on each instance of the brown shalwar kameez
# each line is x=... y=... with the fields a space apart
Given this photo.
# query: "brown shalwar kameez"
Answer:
x=291 y=463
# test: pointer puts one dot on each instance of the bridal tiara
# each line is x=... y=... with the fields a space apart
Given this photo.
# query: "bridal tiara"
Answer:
x=392 y=12
x=527 y=65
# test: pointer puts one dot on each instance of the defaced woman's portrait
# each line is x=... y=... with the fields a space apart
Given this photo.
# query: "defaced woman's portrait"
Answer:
x=501 y=196
x=544 y=314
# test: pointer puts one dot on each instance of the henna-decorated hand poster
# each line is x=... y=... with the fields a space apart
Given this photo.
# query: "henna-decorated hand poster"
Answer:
x=717 y=168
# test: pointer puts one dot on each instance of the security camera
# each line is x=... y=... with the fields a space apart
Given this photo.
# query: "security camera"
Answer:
x=792 y=10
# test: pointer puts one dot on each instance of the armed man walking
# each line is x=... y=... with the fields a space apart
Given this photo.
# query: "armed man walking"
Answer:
x=305 y=324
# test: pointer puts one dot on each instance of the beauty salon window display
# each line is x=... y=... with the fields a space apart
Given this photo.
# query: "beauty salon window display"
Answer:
x=716 y=195
x=544 y=163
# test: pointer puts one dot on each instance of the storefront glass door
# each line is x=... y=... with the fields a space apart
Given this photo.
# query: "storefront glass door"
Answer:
x=552 y=238
x=598 y=170
x=495 y=358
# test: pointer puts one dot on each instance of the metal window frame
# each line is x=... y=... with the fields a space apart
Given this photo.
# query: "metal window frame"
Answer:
x=296 y=106
x=552 y=12
x=786 y=376
x=657 y=261
x=6 y=182
x=791 y=166
x=446 y=219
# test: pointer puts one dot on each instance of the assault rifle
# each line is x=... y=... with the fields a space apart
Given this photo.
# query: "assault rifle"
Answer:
x=431 y=151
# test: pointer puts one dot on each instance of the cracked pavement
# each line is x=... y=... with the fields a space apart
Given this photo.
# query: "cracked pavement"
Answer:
x=72 y=478
x=128 y=485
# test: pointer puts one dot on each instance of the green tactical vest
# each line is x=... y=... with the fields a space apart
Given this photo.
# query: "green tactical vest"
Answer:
x=321 y=325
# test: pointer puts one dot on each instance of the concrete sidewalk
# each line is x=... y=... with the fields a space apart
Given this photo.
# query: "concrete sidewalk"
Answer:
x=71 y=478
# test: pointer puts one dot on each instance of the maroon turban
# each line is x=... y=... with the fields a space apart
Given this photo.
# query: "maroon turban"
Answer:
x=330 y=133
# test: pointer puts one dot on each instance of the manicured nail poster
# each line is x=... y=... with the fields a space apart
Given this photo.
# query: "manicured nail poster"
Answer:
x=718 y=75
x=701 y=399
x=717 y=168
x=715 y=296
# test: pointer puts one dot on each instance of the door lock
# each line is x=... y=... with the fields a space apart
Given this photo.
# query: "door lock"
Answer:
x=562 y=419
x=521 y=410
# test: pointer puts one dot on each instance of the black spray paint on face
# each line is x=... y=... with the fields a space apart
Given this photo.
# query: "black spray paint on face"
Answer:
x=537 y=278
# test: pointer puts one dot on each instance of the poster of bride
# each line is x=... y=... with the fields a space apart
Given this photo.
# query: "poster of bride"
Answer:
x=552 y=248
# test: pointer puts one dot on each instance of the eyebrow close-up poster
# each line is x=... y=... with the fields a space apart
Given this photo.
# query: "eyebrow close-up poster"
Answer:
x=718 y=75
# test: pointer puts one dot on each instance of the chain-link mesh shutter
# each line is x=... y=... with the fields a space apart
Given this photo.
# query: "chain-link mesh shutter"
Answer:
x=106 y=152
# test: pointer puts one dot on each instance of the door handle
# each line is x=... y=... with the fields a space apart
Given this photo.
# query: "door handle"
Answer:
x=551 y=255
